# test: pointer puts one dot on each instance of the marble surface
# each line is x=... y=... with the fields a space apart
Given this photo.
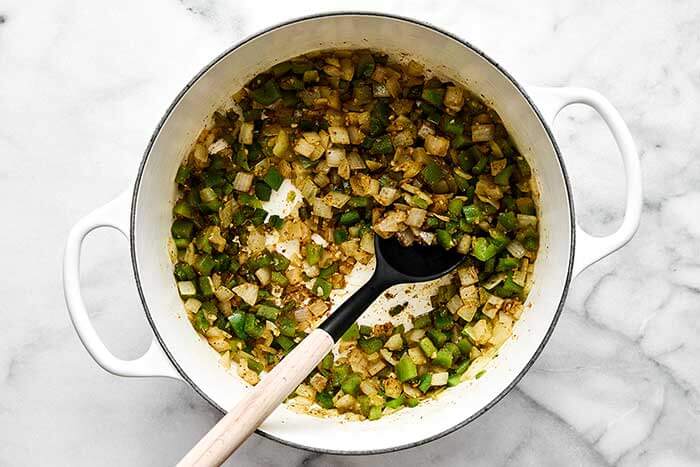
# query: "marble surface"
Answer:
x=82 y=85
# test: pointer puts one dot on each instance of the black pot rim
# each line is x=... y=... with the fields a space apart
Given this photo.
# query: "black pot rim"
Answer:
x=565 y=176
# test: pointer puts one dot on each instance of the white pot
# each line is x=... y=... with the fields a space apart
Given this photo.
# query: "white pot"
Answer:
x=144 y=217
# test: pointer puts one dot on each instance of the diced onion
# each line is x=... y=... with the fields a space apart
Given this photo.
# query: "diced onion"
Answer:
x=439 y=379
x=516 y=249
x=417 y=356
x=368 y=387
x=321 y=209
x=376 y=367
x=468 y=275
x=454 y=98
x=321 y=180
x=217 y=146
x=304 y=148
x=223 y=294
x=415 y=335
x=335 y=157
x=192 y=305
x=454 y=303
x=386 y=355
x=392 y=222
x=263 y=275
x=395 y=342
x=289 y=249
x=318 y=307
x=367 y=242
x=186 y=288
x=243 y=181
x=281 y=144
x=416 y=217
x=308 y=189
x=525 y=220
x=482 y=133
x=336 y=199
x=256 y=241
x=355 y=161
x=248 y=292
x=246 y=134
x=492 y=305
x=464 y=244
x=339 y=135
x=200 y=154
x=436 y=145
x=388 y=195
x=494 y=280
x=302 y=314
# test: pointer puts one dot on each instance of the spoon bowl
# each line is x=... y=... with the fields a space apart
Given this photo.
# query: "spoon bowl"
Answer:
x=418 y=262
x=395 y=264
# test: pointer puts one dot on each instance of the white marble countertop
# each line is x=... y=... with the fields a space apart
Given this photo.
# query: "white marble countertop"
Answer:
x=82 y=85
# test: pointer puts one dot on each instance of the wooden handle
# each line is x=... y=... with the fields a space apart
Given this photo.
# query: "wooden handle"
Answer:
x=254 y=408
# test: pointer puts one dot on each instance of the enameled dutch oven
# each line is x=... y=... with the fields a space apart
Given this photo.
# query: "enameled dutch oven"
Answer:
x=143 y=215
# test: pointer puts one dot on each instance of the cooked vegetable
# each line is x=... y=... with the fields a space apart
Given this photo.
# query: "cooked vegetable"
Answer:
x=371 y=148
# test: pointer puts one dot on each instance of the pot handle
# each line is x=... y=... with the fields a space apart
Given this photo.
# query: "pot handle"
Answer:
x=115 y=215
x=590 y=249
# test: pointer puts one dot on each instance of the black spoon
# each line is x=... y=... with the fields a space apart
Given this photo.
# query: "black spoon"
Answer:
x=396 y=264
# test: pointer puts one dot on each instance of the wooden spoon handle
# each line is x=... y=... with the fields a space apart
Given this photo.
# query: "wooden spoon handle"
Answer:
x=235 y=427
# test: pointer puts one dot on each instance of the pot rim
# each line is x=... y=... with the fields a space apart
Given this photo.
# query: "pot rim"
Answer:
x=438 y=30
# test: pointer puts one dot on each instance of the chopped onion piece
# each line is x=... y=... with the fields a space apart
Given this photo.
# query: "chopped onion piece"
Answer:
x=492 y=305
x=482 y=133
x=318 y=307
x=186 y=288
x=525 y=220
x=454 y=303
x=417 y=356
x=200 y=154
x=246 y=134
x=436 y=145
x=217 y=146
x=223 y=294
x=392 y=222
x=367 y=242
x=416 y=217
x=302 y=314
x=335 y=157
x=468 y=275
x=395 y=342
x=464 y=244
x=308 y=189
x=304 y=148
x=243 y=181
x=281 y=144
x=516 y=249
x=316 y=238
x=263 y=275
x=339 y=135
x=192 y=305
x=336 y=199
x=248 y=292
x=256 y=241
x=386 y=355
x=494 y=280
x=454 y=98
x=439 y=379
x=388 y=195
x=321 y=209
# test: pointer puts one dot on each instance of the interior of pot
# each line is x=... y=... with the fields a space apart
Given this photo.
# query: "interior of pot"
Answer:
x=443 y=55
